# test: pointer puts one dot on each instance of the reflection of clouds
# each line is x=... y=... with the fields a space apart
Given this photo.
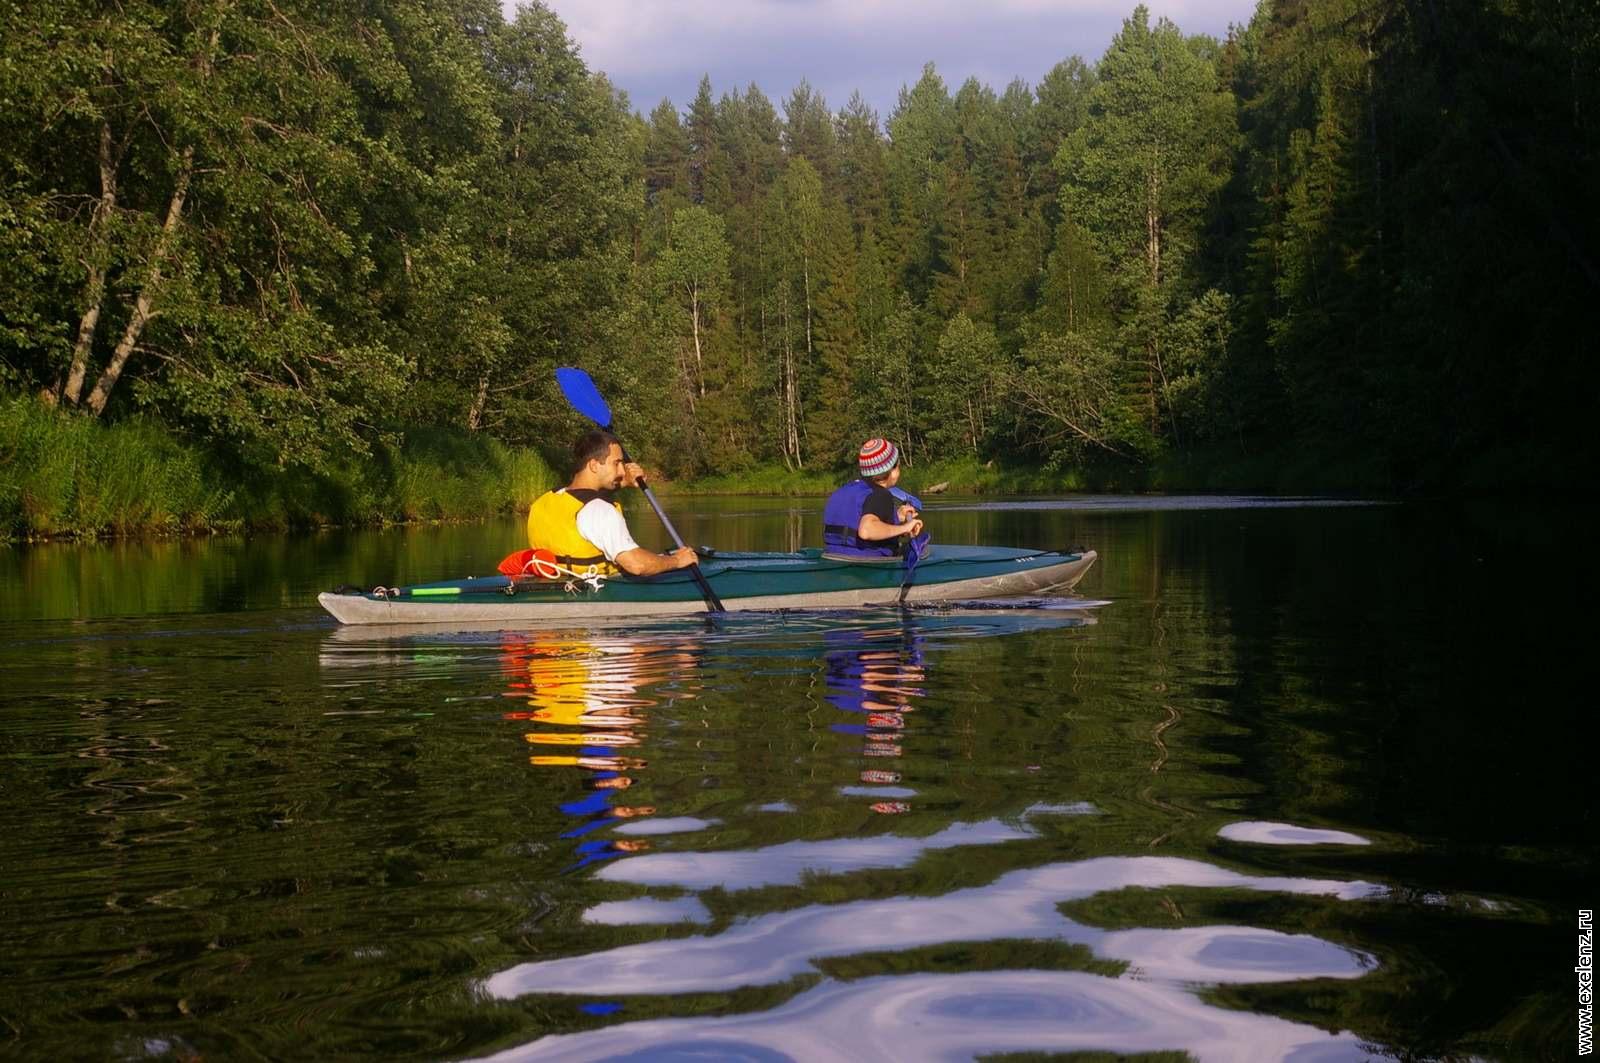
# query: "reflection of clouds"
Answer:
x=648 y=911
x=1262 y=832
x=666 y=825
x=1076 y=808
x=1229 y=954
x=1022 y=904
x=877 y=791
x=951 y=1017
x=789 y=864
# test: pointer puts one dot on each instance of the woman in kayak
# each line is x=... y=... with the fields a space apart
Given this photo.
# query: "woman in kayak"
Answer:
x=584 y=528
x=866 y=517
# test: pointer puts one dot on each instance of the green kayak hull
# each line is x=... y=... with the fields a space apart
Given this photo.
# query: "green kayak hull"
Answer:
x=804 y=579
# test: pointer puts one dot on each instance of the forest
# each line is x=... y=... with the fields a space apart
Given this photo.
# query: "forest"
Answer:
x=1351 y=246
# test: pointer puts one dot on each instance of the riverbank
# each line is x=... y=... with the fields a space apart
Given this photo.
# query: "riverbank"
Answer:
x=969 y=477
x=1191 y=473
x=65 y=476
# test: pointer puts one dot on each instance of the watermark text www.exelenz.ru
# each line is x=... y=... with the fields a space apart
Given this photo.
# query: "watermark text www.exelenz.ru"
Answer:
x=1585 y=971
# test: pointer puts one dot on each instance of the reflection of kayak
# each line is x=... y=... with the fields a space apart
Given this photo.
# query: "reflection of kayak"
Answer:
x=800 y=580
x=955 y=618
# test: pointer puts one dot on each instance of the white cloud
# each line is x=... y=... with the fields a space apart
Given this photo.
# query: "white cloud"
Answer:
x=656 y=48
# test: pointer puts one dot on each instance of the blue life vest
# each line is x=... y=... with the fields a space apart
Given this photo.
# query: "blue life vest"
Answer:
x=842 y=516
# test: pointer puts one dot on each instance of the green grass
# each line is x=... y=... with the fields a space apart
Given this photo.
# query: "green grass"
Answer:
x=69 y=475
x=761 y=480
x=969 y=476
x=65 y=475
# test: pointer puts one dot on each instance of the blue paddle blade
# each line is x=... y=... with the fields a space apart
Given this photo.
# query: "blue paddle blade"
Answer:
x=916 y=550
x=584 y=396
x=906 y=496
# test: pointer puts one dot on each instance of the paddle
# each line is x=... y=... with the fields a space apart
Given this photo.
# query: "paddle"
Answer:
x=917 y=547
x=587 y=400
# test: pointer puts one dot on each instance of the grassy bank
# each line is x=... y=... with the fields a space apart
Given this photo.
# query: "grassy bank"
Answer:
x=65 y=475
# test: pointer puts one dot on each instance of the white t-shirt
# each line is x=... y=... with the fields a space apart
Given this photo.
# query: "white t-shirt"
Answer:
x=601 y=524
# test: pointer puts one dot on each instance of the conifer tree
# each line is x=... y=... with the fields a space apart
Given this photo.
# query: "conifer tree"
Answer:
x=808 y=133
x=666 y=156
x=863 y=171
x=831 y=427
x=709 y=181
x=921 y=132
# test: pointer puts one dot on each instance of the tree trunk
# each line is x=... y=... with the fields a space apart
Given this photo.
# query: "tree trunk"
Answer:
x=479 y=403
x=1166 y=389
x=794 y=412
x=141 y=307
x=95 y=288
x=694 y=321
x=805 y=275
x=791 y=416
x=1152 y=225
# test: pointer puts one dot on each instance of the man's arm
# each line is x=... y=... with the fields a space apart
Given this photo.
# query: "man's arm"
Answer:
x=601 y=524
x=642 y=562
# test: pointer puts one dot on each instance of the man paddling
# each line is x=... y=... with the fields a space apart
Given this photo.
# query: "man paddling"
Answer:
x=865 y=518
x=584 y=528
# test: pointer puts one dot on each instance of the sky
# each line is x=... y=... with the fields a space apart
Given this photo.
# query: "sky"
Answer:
x=660 y=48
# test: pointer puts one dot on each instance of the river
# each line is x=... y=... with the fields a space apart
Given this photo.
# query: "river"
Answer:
x=1282 y=779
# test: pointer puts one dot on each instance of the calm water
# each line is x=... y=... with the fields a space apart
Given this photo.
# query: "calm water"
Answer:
x=1312 y=782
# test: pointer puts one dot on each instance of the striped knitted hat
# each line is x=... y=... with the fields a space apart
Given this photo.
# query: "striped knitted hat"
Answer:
x=877 y=457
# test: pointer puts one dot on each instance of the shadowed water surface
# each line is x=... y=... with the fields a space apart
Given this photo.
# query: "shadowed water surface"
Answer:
x=1290 y=780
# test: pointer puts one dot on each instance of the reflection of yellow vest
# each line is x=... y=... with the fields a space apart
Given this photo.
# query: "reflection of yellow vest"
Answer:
x=553 y=526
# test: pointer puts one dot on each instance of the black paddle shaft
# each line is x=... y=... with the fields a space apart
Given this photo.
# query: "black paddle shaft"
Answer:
x=713 y=602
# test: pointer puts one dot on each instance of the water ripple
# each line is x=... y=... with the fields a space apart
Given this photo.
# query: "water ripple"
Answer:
x=773 y=948
x=1261 y=832
x=791 y=862
x=959 y=1017
x=648 y=911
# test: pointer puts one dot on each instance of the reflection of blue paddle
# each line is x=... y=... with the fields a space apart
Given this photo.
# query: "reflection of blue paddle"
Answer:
x=917 y=548
x=587 y=400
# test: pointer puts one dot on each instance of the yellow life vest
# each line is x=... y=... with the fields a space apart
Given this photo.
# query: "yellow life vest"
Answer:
x=553 y=526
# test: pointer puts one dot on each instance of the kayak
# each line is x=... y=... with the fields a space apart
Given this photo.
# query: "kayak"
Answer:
x=801 y=579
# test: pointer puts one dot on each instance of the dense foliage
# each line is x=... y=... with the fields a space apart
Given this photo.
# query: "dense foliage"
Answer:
x=1349 y=245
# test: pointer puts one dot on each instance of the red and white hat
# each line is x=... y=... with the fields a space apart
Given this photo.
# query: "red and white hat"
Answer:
x=877 y=457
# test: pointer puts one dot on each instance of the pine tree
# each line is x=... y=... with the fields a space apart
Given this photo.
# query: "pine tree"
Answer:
x=921 y=132
x=831 y=427
x=709 y=181
x=863 y=170
x=666 y=156
x=808 y=133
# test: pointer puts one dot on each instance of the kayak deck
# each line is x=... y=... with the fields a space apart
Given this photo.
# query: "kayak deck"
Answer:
x=744 y=581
